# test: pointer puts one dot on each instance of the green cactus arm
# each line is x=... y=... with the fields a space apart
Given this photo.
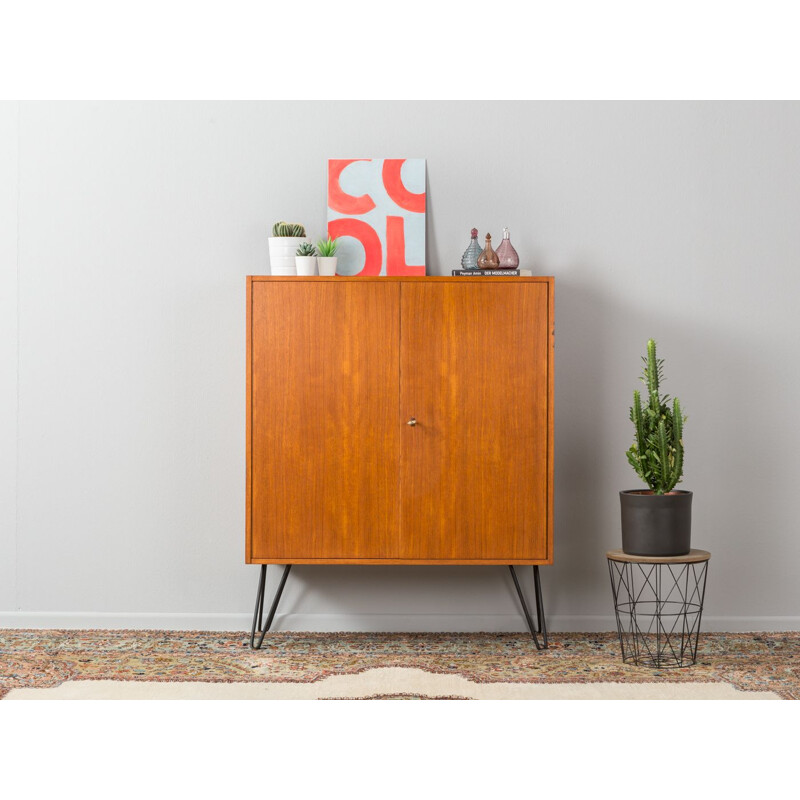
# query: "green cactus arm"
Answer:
x=663 y=458
x=677 y=444
x=677 y=469
x=636 y=416
x=677 y=420
x=652 y=375
x=637 y=420
x=649 y=466
x=652 y=367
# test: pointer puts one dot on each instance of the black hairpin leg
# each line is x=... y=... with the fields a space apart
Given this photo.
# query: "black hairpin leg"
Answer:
x=540 y=607
x=258 y=615
x=542 y=629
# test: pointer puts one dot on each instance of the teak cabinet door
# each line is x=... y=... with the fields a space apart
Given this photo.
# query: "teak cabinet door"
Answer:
x=474 y=373
x=324 y=431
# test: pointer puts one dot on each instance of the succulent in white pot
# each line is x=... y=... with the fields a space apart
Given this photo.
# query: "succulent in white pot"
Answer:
x=327 y=260
x=286 y=238
x=306 y=259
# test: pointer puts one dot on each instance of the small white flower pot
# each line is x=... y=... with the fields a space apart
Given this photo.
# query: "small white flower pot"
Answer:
x=282 y=251
x=306 y=265
x=327 y=265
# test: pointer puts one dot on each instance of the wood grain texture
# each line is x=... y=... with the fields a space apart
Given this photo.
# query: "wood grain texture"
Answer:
x=324 y=433
x=475 y=360
x=475 y=372
x=692 y=557
x=475 y=562
x=248 y=505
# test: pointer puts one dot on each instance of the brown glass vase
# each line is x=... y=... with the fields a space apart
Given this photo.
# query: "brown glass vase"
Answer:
x=488 y=258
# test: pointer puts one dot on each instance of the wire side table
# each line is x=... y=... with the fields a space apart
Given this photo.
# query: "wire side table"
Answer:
x=658 y=604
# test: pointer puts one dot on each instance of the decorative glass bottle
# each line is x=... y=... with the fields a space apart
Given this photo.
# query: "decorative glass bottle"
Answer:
x=506 y=253
x=488 y=258
x=470 y=258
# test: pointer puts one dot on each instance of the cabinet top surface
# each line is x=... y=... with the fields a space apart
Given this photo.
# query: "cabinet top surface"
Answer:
x=411 y=278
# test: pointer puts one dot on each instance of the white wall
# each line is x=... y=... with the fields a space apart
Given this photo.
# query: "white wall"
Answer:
x=122 y=480
x=9 y=118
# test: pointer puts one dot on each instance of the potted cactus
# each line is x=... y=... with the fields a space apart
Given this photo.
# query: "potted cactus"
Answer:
x=656 y=521
x=286 y=238
x=327 y=255
x=306 y=259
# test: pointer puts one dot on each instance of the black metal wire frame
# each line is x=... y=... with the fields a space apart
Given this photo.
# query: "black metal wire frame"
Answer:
x=258 y=614
x=654 y=629
x=260 y=627
x=542 y=625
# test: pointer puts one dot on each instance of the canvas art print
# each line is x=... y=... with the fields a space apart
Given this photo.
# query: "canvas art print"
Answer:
x=377 y=208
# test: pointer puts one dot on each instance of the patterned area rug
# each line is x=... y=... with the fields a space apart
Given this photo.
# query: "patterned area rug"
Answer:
x=384 y=665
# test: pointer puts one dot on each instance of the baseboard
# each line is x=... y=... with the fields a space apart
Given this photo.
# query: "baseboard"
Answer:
x=361 y=622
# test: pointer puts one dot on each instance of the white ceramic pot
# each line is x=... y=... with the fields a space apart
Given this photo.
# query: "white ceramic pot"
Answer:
x=327 y=265
x=282 y=251
x=306 y=265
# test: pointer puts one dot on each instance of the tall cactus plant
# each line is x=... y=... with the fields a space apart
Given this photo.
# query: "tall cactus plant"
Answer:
x=657 y=451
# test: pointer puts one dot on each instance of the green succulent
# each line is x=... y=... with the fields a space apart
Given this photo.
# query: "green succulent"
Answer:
x=306 y=249
x=327 y=247
x=657 y=451
x=288 y=229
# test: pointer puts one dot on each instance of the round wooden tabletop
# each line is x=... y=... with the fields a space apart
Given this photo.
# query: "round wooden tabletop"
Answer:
x=691 y=557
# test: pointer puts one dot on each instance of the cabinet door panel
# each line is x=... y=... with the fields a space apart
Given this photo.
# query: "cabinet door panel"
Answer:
x=324 y=434
x=475 y=374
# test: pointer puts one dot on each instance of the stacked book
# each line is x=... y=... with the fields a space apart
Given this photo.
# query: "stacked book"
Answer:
x=492 y=273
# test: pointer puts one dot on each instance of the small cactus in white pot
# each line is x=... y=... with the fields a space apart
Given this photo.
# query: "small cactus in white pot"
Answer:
x=306 y=259
x=286 y=238
x=327 y=260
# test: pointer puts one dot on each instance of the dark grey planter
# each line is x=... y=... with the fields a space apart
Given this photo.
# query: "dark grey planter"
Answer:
x=656 y=524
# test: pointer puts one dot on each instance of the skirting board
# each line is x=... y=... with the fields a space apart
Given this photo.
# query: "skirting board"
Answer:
x=369 y=623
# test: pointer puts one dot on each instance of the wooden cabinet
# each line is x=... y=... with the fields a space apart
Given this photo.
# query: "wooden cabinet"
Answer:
x=336 y=370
